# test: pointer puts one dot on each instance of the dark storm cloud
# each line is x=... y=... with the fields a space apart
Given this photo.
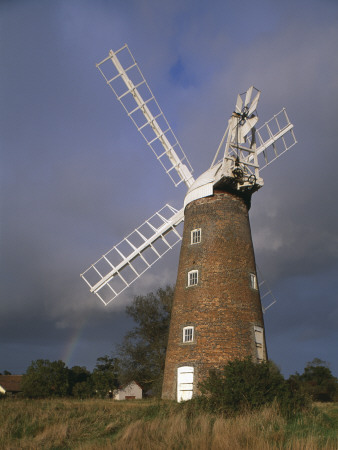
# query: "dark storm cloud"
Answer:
x=77 y=177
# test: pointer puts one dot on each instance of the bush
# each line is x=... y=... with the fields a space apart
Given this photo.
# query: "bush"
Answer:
x=243 y=385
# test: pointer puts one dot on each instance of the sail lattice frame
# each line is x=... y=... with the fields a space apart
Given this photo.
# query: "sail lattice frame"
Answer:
x=274 y=138
x=127 y=261
x=123 y=75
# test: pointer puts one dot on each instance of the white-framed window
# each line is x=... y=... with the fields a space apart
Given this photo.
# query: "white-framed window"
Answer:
x=192 y=277
x=188 y=334
x=253 y=281
x=259 y=341
x=196 y=236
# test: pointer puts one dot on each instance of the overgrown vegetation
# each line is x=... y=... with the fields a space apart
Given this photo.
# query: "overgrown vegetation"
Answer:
x=243 y=385
x=102 y=423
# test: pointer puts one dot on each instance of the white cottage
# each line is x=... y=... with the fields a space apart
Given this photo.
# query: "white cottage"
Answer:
x=131 y=391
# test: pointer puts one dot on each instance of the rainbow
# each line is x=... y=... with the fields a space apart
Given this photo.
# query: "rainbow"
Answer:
x=70 y=346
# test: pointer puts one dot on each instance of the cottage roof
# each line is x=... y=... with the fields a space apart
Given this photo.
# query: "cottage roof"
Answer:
x=11 y=383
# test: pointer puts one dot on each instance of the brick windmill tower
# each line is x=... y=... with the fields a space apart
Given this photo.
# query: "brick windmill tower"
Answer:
x=217 y=313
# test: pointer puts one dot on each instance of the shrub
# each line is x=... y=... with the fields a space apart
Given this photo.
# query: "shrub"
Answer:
x=243 y=385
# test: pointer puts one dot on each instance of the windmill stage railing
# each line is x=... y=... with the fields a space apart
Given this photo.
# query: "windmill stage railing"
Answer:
x=127 y=261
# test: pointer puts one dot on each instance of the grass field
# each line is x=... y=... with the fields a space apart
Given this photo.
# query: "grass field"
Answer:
x=96 y=424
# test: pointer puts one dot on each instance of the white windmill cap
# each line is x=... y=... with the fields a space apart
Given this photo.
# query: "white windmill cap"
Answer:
x=203 y=186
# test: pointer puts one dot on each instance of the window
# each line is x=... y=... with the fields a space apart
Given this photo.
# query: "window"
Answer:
x=196 y=236
x=192 y=277
x=259 y=340
x=188 y=334
x=253 y=281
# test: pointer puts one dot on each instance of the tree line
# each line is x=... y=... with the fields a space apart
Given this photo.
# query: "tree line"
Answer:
x=45 y=378
x=141 y=357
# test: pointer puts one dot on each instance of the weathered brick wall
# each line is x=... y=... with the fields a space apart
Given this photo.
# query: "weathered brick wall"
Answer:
x=223 y=307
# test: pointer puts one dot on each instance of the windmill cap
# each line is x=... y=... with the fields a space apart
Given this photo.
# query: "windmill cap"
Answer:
x=203 y=186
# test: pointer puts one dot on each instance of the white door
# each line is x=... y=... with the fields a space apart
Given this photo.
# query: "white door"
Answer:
x=185 y=383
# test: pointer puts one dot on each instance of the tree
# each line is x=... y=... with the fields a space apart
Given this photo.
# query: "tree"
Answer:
x=78 y=374
x=83 y=389
x=142 y=352
x=44 y=378
x=105 y=375
x=317 y=381
x=80 y=382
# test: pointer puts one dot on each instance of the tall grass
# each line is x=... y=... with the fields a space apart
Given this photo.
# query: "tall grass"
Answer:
x=265 y=429
x=95 y=424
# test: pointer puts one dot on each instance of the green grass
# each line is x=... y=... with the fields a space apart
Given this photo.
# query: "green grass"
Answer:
x=321 y=421
x=150 y=424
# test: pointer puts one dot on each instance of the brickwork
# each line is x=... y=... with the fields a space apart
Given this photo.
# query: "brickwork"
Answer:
x=222 y=307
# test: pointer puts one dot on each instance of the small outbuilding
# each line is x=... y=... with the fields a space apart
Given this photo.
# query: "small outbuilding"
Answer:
x=131 y=391
x=10 y=384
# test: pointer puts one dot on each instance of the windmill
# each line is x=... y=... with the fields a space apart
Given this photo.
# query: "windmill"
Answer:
x=217 y=312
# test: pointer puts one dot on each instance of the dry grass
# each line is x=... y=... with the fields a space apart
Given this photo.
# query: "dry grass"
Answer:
x=249 y=431
x=96 y=424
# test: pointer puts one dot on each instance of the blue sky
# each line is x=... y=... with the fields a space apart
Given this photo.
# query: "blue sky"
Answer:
x=76 y=177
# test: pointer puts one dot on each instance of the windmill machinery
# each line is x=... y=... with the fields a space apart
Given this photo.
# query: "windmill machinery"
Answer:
x=217 y=312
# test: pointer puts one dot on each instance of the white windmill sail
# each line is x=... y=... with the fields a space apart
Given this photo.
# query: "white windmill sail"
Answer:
x=126 y=80
x=274 y=138
x=127 y=261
